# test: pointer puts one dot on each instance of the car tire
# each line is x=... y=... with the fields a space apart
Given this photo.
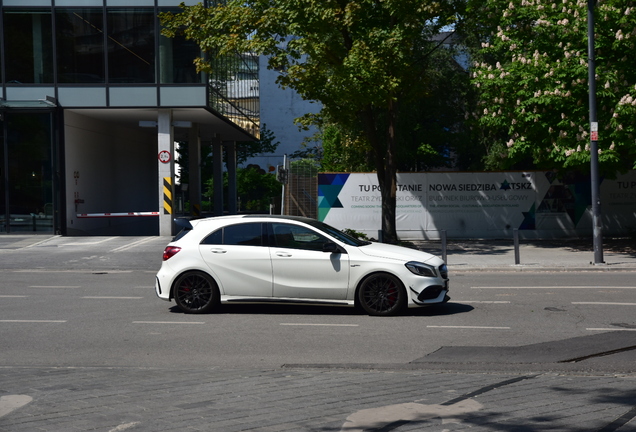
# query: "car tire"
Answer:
x=382 y=294
x=196 y=292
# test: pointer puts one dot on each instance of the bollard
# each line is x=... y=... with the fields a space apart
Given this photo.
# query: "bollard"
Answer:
x=515 y=234
x=443 y=236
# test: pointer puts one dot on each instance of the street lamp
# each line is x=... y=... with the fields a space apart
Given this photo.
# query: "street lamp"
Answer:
x=594 y=171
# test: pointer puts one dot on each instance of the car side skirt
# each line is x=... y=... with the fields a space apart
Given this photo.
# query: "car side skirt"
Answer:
x=270 y=300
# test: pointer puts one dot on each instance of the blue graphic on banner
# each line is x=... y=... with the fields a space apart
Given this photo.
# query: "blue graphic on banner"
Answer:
x=329 y=186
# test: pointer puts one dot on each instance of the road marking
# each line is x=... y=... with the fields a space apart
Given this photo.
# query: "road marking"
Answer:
x=13 y=296
x=168 y=322
x=133 y=244
x=111 y=297
x=53 y=286
x=124 y=426
x=605 y=303
x=33 y=321
x=481 y=301
x=611 y=329
x=319 y=325
x=89 y=243
x=555 y=287
x=470 y=327
x=13 y=402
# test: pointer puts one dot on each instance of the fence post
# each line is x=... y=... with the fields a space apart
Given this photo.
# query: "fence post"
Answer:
x=443 y=235
x=515 y=235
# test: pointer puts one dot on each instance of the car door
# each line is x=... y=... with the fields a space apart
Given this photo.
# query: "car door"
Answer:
x=239 y=258
x=301 y=269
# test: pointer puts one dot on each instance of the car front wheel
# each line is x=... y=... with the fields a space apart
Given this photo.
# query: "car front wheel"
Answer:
x=382 y=294
x=196 y=293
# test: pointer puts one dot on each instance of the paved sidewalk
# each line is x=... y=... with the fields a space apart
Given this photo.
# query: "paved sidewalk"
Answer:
x=289 y=399
x=535 y=255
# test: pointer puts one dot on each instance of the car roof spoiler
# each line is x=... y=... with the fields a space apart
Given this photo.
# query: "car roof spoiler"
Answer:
x=183 y=223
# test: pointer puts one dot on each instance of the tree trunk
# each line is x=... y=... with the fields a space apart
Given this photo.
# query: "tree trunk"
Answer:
x=385 y=164
x=388 y=185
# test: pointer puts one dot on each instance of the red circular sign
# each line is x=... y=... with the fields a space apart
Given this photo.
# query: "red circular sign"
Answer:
x=164 y=156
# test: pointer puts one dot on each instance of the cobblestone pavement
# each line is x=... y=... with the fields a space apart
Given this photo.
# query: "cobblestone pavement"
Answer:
x=297 y=399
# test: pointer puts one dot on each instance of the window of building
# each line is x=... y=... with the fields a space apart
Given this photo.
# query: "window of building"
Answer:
x=28 y=42
x=176 y=59
x=131 y=45
x=80 y=45
x=26 y=202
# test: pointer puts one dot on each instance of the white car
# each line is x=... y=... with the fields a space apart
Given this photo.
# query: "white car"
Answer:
x=285 y=259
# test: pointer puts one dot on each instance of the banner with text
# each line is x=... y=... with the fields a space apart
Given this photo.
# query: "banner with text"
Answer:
x=485 y=205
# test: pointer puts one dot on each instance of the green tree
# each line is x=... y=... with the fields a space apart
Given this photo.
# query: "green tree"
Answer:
x=256 y=188
x=361 y=59
x=531 y=69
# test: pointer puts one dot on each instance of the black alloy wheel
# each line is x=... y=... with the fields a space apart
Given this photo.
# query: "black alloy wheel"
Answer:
x=382 y=294
x=196 y=293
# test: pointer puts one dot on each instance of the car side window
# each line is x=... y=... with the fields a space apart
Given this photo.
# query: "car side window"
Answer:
x=297 y=237
x=248 y=234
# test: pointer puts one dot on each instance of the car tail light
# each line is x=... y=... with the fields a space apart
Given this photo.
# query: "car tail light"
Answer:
x=169 y=252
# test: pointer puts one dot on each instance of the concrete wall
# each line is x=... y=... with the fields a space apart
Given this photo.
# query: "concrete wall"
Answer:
x=109 y=169
x=279 y=108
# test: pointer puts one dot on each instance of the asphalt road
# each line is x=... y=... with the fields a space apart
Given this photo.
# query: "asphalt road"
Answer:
x=81 y=330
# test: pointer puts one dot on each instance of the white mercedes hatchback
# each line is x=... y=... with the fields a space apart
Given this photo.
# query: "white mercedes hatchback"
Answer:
x=285 y=259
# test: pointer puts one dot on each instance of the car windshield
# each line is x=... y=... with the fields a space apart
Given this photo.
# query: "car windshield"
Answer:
x=333 y=232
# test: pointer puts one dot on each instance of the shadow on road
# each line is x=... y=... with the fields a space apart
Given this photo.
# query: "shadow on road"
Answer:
x=271 y=309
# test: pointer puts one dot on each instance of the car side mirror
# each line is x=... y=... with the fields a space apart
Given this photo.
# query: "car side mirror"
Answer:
x=331 y=247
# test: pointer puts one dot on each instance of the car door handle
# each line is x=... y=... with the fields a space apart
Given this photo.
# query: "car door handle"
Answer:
x=218 y=251
x=283 y=254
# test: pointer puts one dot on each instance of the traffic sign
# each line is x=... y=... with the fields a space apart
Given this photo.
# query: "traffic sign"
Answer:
x=164 y=156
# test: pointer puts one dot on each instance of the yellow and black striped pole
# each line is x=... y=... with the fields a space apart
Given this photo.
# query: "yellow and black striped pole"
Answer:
x=167 y=195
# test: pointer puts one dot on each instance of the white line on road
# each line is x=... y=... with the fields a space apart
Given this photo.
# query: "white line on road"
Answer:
x=111 y=297
x=555 y=287
x=12 y=296
x=124 y=426
x=53 y=286
x=168 y=322
x=480 y=301
x=33 y=321
x=611 y=329
x=605 y=303
x=89 y=243
x=319 y=325
x=133 y=244
x=469 y=327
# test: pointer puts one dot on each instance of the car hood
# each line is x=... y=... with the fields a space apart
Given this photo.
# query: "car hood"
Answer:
x=383 y=250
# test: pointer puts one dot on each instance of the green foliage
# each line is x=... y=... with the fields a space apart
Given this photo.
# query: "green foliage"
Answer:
x=266 y=144
x=355 y=234
x=305 y=167
x=255 y=188
x=532 y=72
x=359 y=58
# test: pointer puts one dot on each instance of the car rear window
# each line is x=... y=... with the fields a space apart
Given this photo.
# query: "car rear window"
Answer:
x=249 y=234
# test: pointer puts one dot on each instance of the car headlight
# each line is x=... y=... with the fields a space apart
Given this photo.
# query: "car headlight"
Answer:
x=421 y=269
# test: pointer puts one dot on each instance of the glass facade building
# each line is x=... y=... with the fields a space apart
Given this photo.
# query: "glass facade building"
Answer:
x=105 y=61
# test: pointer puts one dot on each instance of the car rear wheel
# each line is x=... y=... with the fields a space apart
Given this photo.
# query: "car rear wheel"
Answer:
x=196 y=292
x=382 y=294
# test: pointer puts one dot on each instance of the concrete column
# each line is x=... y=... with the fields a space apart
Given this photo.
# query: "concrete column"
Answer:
x=232 y=192
x=217 y=175
x=165 y=141
x=194 y=167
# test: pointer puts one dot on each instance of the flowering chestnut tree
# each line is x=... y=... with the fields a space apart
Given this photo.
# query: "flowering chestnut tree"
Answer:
x=532 y=74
